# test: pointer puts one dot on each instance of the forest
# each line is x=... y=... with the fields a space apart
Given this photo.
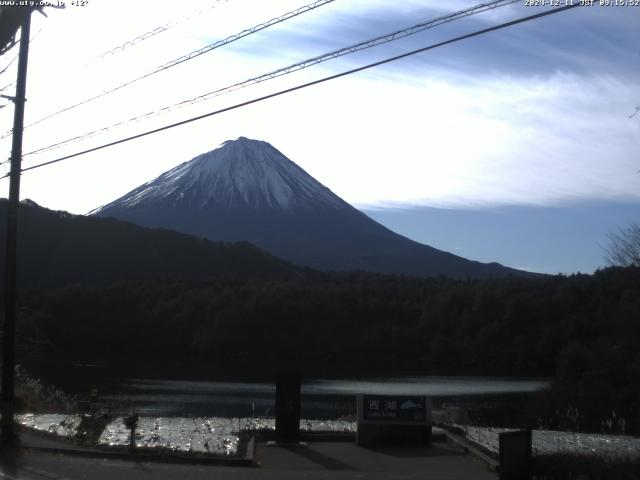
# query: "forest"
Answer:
x=581 y=330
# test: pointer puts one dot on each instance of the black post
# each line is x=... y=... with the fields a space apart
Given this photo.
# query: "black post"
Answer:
x=515 y=455
x=288 y=406
x=132 y=439
x=131 y=422
x=9 y=328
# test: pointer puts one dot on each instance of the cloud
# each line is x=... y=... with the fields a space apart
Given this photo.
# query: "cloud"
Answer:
x=580 y=40
x=494 y=141
x=536 y=113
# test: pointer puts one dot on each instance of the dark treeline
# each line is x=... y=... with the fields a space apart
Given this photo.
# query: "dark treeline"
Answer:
x=584 y=330
x=492 y=327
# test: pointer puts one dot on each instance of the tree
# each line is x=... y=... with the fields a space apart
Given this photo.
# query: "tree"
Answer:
x=624 y=247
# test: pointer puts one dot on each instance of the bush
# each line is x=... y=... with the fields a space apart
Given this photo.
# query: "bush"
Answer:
x=33 y=396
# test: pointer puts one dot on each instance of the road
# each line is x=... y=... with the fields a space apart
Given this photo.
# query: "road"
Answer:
x=321 y=460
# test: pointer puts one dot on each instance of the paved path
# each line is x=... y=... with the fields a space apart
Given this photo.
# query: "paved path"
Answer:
x=346 y=460
x=320 y=460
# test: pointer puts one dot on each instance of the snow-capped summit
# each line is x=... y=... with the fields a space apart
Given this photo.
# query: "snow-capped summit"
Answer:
x=239 y=173
x=246 y=190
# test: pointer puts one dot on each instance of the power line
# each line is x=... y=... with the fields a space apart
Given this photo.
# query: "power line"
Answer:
x=7 y=49
x=190 y=56
x=10 y=62
x=2 y=89
x=308 y=84
x=12 y=43
x=244 y=33
x=373 y=42
x=156 y=31
x=129 y=43
x=119 y=48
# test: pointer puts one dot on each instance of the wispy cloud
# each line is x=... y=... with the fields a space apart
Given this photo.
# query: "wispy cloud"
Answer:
x=502 y=140
x=536 y=113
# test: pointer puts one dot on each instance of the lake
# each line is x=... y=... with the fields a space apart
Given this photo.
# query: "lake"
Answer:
x=122 y=390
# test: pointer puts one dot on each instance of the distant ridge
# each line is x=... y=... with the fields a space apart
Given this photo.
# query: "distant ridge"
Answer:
x=57 y=248
x=246 y=190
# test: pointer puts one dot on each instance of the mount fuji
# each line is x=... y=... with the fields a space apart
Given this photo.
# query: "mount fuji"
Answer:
x=246 y=190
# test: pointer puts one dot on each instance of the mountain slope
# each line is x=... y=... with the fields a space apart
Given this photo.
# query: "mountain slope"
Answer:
x=248 y=190
x=57 y=248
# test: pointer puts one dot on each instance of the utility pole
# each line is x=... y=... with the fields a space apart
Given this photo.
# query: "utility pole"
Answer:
x=9 y=328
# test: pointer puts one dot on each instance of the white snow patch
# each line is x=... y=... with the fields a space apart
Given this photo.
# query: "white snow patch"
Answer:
x=549 y=441
x=60 y=424
x=244 y=171
x=203 y=435
x=213 y=435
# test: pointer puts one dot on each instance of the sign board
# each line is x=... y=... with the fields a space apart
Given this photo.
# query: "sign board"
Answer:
x=394 y=408
x=394 y=419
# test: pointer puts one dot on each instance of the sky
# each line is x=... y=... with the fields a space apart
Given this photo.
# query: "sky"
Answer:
x=516 y=146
